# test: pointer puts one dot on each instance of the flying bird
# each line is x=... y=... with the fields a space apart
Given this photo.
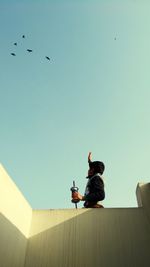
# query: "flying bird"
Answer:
x=15 y=43
x=23 y=36
x=47 y=58
x=29 y=50
x=13 y=54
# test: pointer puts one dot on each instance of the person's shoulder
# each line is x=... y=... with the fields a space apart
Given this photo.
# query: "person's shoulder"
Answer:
x=98 y=177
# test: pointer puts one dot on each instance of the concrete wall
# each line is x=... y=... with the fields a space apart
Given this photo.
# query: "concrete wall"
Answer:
x=116 y=237
x=13 y=205
x=15 y=220
x=12 y=244
x=93 y=237
x=143 y=197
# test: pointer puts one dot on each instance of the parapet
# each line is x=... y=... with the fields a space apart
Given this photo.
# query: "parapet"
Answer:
x=143 y=197
x=84 y=237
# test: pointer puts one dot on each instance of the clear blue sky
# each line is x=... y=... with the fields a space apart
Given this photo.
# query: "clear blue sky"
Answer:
x=92 y=96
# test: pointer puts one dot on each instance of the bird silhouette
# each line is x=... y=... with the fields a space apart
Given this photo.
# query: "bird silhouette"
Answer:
x=15 y=43
x=47 y=58
x=23 y=36
x=29 y=50
x=13 y=54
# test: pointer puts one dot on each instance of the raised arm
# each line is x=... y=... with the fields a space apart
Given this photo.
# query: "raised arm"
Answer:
x=90 y=157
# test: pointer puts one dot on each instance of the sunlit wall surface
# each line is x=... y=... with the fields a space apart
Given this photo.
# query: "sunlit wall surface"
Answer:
x=84 y=237
x=15 y=220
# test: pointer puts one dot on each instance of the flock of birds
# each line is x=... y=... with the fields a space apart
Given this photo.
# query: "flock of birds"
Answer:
x=29 y=50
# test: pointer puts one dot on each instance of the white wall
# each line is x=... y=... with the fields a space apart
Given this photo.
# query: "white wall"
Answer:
x=116 y=237
x=15 y=221
x=13 y=205
x=62 y=238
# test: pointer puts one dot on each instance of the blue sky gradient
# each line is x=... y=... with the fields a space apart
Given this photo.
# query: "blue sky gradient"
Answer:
x=93 y=95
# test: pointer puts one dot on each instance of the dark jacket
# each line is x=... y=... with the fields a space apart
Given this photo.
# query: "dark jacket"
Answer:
x=94 y=190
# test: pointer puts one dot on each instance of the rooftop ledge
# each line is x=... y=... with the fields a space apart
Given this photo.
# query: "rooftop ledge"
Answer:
x=15 y=208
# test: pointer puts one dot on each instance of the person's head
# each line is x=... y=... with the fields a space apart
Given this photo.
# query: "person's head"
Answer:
x=96 y=167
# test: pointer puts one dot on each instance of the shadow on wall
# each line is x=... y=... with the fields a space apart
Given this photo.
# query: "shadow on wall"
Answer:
x=12 y=244
x=99 y=237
